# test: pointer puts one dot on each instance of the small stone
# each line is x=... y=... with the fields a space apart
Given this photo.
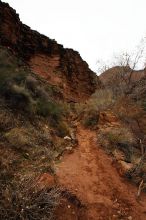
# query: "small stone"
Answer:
x=68 y=206
x=130 y=218
x=115 y=201
x=119 y=212
x=125 y=166
x=67 y=138
x=69 y=148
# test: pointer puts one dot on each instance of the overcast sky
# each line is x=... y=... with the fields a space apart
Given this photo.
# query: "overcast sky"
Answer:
x=95 y=28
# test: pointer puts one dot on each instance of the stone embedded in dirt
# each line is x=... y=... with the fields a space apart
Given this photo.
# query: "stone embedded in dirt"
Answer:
x=67 y=138
x=68 y=148
x=45 y=181
x=124 y=166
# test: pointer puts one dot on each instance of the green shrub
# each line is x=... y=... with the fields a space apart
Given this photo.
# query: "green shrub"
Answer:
x=48 y=108
x=12 y=81
x=10 y=69
x=19 y=97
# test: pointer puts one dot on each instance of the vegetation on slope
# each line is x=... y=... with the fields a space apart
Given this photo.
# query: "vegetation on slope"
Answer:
x=32 y=124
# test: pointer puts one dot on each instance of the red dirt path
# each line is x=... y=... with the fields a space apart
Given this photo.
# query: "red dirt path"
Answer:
x=90 y=174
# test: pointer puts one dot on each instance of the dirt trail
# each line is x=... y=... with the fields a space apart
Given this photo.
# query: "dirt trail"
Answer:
x=90 y=174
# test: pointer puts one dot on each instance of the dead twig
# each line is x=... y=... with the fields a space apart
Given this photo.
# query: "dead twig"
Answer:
x=140 y=188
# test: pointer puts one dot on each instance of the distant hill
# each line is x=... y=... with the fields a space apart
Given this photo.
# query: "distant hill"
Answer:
x=113 y=73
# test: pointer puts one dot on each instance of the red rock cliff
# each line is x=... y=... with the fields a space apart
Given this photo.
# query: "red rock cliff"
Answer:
x=61 y=67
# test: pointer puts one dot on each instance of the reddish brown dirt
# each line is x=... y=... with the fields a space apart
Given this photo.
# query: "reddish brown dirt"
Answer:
x=45 y=66
x=90 y=174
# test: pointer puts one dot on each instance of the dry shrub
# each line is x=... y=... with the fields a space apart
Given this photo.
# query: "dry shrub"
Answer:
x=22 y=201
x=19 y=197
x=138 y=172
x=102 y=99
x=132 y=115
x=24 y=137
x=90 y=119
x=62 y=129
x=7 y=120
x=125 y=108
x=17 y=138
x=119 y=135
x=119 y=138
x=88 y=112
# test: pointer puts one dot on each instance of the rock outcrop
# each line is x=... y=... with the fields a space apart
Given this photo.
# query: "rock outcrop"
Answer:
x=61 y=67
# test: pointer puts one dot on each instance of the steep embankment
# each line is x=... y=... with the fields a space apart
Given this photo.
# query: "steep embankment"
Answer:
x=61 y=67
x=90 y=174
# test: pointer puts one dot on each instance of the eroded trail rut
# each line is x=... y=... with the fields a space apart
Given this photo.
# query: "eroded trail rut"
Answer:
x=90 y=174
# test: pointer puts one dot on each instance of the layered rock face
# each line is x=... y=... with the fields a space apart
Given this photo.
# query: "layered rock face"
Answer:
x=61 y=67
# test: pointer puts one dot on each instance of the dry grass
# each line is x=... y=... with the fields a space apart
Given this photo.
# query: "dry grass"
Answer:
x=119 y=138
x=102 y=99
x=22 y=201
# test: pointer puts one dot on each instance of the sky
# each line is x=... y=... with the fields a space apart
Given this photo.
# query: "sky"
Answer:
x=97 y=29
